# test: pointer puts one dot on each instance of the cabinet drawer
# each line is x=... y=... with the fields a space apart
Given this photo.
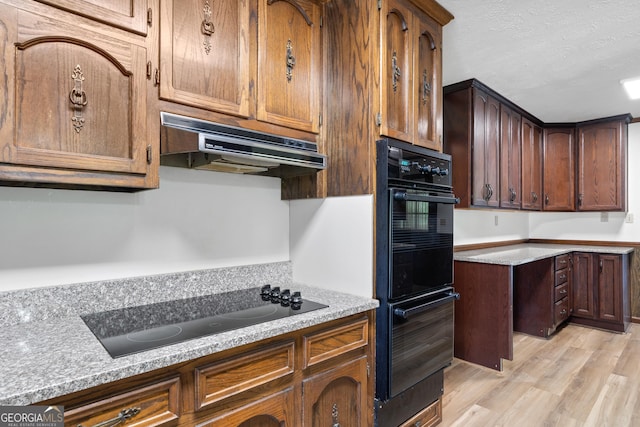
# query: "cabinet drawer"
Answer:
x=561 y=276
x=561 y=311
x=562 y=261
x=153 y=405
x=561 y=291
x=429 y=416
x=334 y=342
x=223 y=379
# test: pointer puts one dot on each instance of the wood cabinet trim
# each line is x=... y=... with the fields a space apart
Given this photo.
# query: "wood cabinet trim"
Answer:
x=226 y=378
x=167 y=406
x=334 y=342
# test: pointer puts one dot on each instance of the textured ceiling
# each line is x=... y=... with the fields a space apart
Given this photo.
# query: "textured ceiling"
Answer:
x=560 y=60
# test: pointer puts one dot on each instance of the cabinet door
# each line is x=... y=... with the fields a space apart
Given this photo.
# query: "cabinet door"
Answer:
x=558 y=170
x=337 y=396
x=78 y=102
x=276 y=410
x=602 y=166
x=127 y=14
x=204 y=50
x=510 y=158
x=582 y=285
x=428 y=83
x=609 y=288
x=289 y=63
x=397 y=73
x=486 y=149
x=531 y=165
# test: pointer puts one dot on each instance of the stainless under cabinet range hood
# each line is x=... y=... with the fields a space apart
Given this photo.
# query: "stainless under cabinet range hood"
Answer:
x=199 y=144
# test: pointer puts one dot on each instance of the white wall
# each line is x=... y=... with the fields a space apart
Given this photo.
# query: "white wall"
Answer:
x=477 y=226
x=332 y=243
x=197 y=219
x=481 y=225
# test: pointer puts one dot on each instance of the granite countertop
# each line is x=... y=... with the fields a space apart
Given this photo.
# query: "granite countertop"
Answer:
x=529 y=252
x=57 y=354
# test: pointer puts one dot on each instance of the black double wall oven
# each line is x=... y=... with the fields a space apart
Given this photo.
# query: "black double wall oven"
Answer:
x=414 y=276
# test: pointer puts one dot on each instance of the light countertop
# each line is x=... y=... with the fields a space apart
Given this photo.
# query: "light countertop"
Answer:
x=529 y=252
x=55 y=353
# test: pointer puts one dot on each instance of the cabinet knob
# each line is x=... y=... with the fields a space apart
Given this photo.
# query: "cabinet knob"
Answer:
x=534 y=196
x=546 y=199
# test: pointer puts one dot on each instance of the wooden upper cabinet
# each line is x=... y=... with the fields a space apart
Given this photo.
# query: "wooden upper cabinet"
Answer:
x=559 y=169
x=510 y=158
x=602 y=159
x=74 y=105
x=130 y=15
x=531 y=165
x=289 y=63
x=486 y=150
x=411 y=78
x=428 y=83
x=205 y=54
x=396 y=75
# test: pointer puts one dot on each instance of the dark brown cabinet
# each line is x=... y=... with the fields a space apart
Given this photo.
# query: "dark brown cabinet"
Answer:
x=600 y=290
x=475 y=150
x=510 y=158
x=541 y=292
x=531 y=165
x=602 y=165
x=563 y=166
x=559 y=169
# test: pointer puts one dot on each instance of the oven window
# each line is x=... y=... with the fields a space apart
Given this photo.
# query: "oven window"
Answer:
x=421 y=245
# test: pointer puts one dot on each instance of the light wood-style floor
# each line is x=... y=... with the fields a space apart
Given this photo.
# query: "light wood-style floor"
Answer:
x=579 y=377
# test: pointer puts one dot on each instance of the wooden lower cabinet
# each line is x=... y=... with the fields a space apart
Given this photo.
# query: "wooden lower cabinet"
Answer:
x=314 y=377
x=336 y=396
x=429 y=416
x=601 y=291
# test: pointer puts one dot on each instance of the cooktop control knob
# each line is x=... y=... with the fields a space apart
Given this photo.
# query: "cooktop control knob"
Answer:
x=275 y=292
x=296 y=298
x=285 y=297
x=265 y=290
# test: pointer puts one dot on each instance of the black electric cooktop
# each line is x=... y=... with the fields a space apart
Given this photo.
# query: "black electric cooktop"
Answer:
x=134 y=329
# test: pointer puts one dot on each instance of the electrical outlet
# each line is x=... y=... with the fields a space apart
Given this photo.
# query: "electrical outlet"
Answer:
x=495 y=220
x=604 y=216
x=629 y=218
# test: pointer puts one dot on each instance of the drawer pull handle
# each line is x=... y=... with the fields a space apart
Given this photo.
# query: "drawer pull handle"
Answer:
x=124 y=415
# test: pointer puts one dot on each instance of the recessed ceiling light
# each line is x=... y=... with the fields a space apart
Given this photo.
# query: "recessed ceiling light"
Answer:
x=632 y=86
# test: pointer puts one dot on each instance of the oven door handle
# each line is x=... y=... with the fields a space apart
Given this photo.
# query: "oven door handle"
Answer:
x=403 y=196
x=405 y=314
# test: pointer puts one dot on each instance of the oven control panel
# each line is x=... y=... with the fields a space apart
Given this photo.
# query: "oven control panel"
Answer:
x=419 y=167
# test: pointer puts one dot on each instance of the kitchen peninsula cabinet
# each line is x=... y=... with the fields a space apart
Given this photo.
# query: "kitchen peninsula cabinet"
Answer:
x=316 y=376
x=601 y=291
x=361 y=71
x=602 y=164
x=559 y=169
x=411 y=107
x=217 y=56
x=531 y=165
x=74 y=102
x=533 y=289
